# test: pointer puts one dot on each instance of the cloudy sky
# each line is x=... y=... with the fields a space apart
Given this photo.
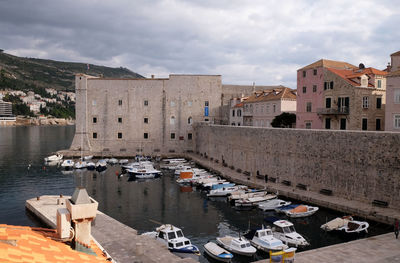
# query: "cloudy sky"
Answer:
x=264 y=41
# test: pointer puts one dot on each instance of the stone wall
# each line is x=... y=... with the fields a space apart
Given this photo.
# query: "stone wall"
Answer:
x=355 y=165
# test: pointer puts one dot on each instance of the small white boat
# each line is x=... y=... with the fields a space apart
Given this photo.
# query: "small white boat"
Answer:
x=226 y=190
x=123 y=161
x=285 y=231
x=336 y=223
x=217 y=252
x=101 y=165
x=173 y=238
x=67 y=164
x=90 y=165
x=87 y=158
x=55 y=157
x=183 y=169
x=263 y=239
x=112 y=161
x=236 y=196
x=80 y=165
x=237 y=245
x=144 y=172
x=354 y=227
x=253 y=201
x=273 y=204
x=301 y=211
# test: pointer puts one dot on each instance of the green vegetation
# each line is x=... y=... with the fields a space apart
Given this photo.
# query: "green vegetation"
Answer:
x=285 y=120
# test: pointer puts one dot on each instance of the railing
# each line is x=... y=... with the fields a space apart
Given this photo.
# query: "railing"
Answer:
x=333 y=111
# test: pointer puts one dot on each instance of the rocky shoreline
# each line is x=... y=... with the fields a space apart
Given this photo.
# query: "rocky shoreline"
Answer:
x=38 y=121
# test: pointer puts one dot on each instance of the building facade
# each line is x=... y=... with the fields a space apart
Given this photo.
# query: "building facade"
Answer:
x=263 y=106
x=392 y=108
x=310 y=86
x=236 y=113
x=143 y=116
x=353 y=99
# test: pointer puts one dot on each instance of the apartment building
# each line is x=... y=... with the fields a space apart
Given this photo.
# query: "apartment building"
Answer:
x=392 y=108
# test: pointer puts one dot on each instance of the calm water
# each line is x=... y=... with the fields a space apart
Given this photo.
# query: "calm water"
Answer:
x=131 y=202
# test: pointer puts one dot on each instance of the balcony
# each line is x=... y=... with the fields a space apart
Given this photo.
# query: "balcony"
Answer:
x=333 y=111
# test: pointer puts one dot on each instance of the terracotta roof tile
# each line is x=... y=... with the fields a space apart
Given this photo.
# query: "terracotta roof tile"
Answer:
x=350 y=74
x=35 y=245
x=272 y=94
x=329 y=64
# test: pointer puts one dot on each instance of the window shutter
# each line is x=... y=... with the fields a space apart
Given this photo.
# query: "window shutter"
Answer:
x=331 y=85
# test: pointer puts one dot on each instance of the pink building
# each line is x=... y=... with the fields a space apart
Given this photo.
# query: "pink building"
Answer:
x=310 y=87
x=392 y=110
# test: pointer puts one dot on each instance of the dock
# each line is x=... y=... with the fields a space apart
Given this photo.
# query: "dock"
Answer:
x=119 y=241
x=352 y=207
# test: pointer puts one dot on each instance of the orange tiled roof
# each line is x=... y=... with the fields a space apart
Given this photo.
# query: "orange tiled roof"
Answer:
x=239 y=105
x=272 y=94
x=26 y=244
x=329 y=64
x=350 y=74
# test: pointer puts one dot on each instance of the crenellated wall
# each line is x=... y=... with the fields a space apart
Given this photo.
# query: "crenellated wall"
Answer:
x=352 y=164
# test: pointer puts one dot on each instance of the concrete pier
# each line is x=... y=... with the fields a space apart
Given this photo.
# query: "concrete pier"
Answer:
x=120 y=241
x=353 y=207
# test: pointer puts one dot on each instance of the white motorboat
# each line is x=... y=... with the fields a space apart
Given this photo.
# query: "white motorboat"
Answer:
x=217 y=252
x=184 y=168
x=87 y=158
x=285 y=231
x=80 y=165
x=112 y=161
x=90 y=165
x=101 y=165
x=173 y=238
x=237 y=245
x=144 y=172
x=224 y=191
x=301 y=211
x=253 y=201
x=55 y=157
x=123 y=161
x=273 y=204
x=354 y=227
x=233 y=197
x=67 y=164
x=263 y=239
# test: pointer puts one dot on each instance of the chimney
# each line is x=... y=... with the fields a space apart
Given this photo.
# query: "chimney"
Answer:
x=82 y=209
x=361 y=66
x=388 y=67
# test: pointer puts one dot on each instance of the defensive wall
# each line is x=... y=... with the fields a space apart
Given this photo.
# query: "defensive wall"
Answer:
x=354 y=165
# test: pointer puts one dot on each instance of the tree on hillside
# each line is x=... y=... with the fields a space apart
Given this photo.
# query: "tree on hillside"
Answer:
x=285 y=120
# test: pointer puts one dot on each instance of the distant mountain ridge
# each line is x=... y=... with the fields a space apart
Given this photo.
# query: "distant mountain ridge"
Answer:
x=24 y=73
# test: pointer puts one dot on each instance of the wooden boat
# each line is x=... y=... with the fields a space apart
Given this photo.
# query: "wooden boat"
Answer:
x=301 y=211
x=217 y=252
x=238 y=245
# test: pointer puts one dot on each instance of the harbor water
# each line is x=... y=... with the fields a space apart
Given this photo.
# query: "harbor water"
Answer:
x=138 y=204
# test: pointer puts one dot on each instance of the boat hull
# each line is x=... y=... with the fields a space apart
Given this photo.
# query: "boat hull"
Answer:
x=216 y=256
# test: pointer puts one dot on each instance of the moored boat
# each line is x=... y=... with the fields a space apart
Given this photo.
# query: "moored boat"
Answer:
x=253 y=201
x=101 y=165
x=123 y=161
x=172 y=237
x=80 y=165
x=112 y=161
x=301 y=211
x=217 y=252
x=88 y=157
x=55 y=157
x=224 y=191
x=237 y=245
x=354 y=227
x=273 y=204
x=264 y=240
x=90 y=165
x=285 y=231
x=67 y=164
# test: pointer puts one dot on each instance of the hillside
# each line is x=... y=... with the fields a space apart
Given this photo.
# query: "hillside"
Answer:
x=30 y=73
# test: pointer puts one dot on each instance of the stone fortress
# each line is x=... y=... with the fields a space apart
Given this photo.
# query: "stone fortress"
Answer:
x=181 y=114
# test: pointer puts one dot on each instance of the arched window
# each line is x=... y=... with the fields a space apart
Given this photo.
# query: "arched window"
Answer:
x=190 y=120
x=172 y=120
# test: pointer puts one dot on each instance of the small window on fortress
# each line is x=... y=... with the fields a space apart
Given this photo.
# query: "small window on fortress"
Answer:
x=119 y=102
x=172 y=103
x=119 y=119
x=146 y=136
x=206 y=103
x=189 y=103
x=172 y=135
x=146 y=120
x=94 y=120
x=190 y=136
x=146 y=103
x=93 y=103
x=95 y=135
x=172 y=120
x=190 y=120
x=120 y=135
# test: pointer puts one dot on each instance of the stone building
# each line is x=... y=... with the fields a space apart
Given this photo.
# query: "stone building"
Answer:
x=353 y=99
x=310 y=86
x=236 y=112
x=392 y=107
x=263 y=106
x=143 y=116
